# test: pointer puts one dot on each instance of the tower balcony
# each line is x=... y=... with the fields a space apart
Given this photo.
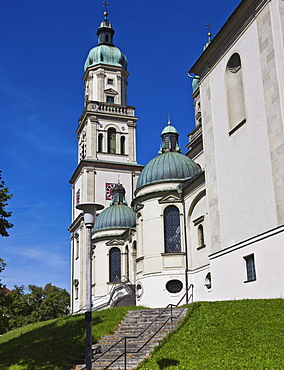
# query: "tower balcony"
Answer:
x=110 y=108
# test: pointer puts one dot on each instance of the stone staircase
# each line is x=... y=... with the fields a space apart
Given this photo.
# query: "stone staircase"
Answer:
x=134 y=323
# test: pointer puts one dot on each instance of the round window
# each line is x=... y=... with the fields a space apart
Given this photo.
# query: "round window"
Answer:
x=174 y=286
x=208 y=283
x=139 y=290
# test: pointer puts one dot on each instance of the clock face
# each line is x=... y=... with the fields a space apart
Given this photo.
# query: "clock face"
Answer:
x=109 y=188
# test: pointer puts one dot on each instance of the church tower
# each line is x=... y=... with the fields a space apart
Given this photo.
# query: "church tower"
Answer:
x=106 y=145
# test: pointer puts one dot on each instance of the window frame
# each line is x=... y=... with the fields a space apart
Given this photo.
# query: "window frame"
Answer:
x=112 y=270
x=250 y=268
x=168 y=233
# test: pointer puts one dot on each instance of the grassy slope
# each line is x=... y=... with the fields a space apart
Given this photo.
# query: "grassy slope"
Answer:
x=233 y=335
x=52 y=344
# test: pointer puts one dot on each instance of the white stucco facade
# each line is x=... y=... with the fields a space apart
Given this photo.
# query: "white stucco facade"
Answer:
x=213 y=220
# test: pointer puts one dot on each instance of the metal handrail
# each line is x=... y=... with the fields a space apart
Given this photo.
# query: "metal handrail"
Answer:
x=110 y=294
x=143 y=331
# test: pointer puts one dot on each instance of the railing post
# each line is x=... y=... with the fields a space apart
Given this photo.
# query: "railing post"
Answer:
x=125 y=353
x=171 y=318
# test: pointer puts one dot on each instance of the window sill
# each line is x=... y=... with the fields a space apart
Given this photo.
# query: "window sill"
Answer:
x=249 y=281
x=201 y=247
x=237 y=127
x=173 y=254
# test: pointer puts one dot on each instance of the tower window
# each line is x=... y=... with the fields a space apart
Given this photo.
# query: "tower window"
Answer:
x=250 y=268
x=111 y=140
x=110 y=99
x=201 y=243
x=107 y=38
x=100 y=143
x=122 y=145
x=172 y=230
x=114 y=264
x=78 y=197
x=110 y=81
x=235 y=93
x=77 y=246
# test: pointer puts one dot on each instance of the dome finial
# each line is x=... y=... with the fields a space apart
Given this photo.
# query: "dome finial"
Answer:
x=105 y=4
x=169 y=119
x=209 y=34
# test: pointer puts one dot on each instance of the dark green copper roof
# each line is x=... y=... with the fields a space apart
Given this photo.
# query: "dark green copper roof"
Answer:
x=166 y=167
x=117 y=216
x=106 y=54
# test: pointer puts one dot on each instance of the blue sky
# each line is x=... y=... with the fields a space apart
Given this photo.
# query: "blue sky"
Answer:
x=43 y=48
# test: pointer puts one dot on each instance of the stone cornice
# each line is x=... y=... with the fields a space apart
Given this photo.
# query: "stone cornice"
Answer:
x=97 y=164
x=105 y=67
x=239 y=20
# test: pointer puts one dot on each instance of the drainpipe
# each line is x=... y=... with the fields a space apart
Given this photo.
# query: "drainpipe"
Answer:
x=179 y=190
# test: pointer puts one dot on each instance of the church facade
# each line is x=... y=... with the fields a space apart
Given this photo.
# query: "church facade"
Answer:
x=213 y=218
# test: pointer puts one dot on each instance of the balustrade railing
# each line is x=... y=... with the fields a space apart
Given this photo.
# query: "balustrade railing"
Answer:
x=110 y=108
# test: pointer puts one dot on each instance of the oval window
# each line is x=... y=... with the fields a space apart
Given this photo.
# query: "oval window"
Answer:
x=174 y=286
x=139 y=290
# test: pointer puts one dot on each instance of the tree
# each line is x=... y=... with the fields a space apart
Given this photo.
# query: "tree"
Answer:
x=4 y=292
x=39 y=304
x=4 y=197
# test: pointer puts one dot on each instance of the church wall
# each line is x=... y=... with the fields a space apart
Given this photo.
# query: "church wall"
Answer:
x=270 y=34
x=154 y=292
x=229 y=275
x=155 y=268
x=197 y=217
x=199 y=278
x=210 y=168
x=238 y=168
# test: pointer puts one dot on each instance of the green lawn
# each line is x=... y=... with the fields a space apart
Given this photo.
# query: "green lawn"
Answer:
x=233 y=335
x=229 y=335
x=52 y=344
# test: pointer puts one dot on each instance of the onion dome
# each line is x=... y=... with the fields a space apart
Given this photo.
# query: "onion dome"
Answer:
x=170 y=164
x=118 y=215
x=106 y=52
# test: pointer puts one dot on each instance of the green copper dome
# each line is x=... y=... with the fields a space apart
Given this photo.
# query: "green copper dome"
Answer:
x=106 y=52
x=166 y=167
x=169 y=129
x=115 y=217
x=118 y=215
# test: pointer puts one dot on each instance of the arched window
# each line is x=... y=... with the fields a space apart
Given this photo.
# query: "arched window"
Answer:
x=111 y=140
x=122 y=145
x=201 y=236
x=100 y=143
x=235 y=93
x=172 y=229
x=114 y=264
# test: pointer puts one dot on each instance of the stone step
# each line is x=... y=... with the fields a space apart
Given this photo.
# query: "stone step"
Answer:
x=139 y=347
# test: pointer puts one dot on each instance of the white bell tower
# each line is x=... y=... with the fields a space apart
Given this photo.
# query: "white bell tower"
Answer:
x=106 y=145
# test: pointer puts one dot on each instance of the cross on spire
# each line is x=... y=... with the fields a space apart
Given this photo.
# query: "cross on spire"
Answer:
x=209 y=31
x=105 y=4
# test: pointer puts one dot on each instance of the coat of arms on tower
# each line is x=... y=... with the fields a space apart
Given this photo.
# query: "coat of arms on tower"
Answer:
x=109 y=188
